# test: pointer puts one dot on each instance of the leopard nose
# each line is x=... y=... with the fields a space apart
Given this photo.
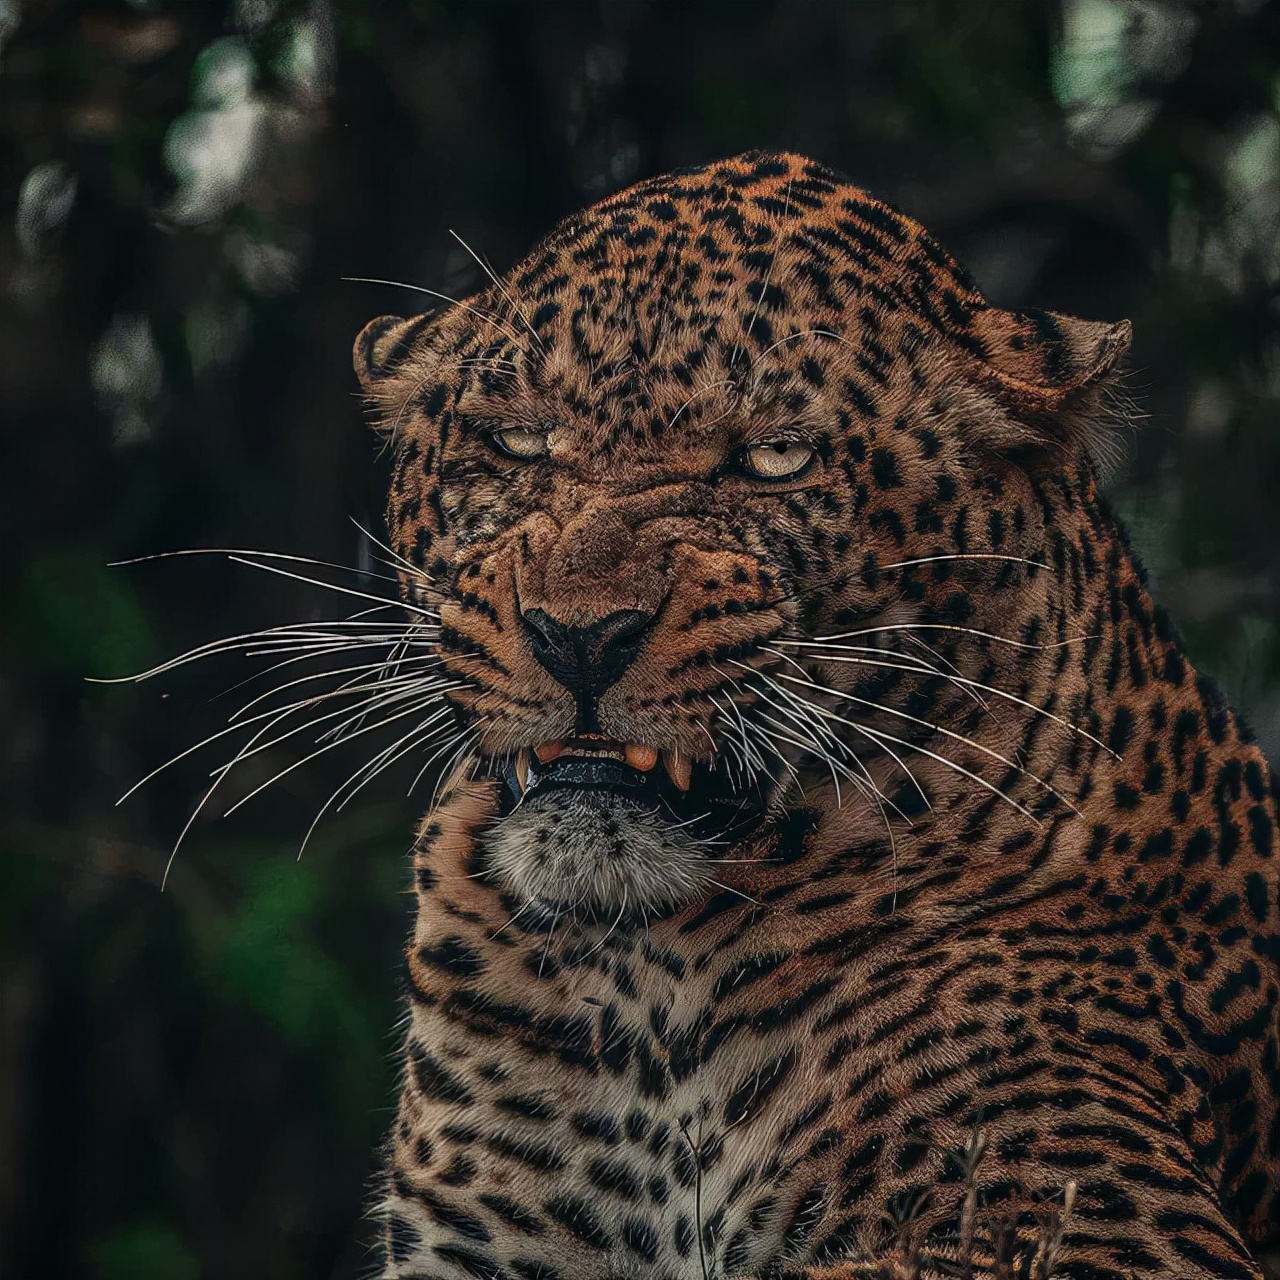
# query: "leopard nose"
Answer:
x=587 y=660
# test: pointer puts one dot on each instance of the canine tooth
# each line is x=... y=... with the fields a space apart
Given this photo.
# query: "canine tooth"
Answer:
x=547 y=751
x=524 y=769
x=680 y=768
x=642 y=758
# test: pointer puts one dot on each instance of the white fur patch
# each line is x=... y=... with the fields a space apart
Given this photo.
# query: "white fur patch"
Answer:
x=594 y=854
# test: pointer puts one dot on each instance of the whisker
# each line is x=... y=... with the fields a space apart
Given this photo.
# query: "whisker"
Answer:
x=277 y=638
x=773 y=737
x=963 y=681
x=456 y=765
x=804 y=333
x=331 y=586
x=343 y=732
x=870 y=782
x=459 y=737
x=488 y=270
x=443 y=297
x=609 y=934
x=942 y=626
x=195 y=813
x=936 y=728
x=546 y=947
x=319 y=675
x=528 y=905
x=416 y=570
x=879 y=735
x=748 y=748
x=814 y=743
x=380 y=762
x=918 y=643
x=277 y=712
x=728 y=888
x=329 y=746
x=702 y=391
x=967 y=555
x=248 y=551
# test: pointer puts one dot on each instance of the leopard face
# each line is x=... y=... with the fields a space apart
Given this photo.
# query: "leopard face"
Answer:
x=721 y=412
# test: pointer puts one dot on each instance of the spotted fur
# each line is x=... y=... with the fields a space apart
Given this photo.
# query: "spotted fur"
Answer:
x=1056 y=934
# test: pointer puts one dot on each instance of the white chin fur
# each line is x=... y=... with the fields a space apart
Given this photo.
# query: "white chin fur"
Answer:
x=593 y=854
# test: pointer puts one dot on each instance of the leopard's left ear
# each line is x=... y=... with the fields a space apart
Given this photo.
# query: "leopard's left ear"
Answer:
x=1039 y=360
x=384 y=346
x=1053 y=377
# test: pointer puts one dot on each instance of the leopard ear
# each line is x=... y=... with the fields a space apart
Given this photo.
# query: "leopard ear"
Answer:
x=385 y=346
x=1055 y=380
x=1039 y=360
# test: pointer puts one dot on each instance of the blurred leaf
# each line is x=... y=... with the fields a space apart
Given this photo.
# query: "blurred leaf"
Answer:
x=78 y=616
x=144 y=1251
x=269 y=955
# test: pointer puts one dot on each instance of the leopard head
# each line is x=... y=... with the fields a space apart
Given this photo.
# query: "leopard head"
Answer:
x=726 y=411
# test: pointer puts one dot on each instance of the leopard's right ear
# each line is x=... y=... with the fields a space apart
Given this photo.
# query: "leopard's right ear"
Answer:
x=385 y=346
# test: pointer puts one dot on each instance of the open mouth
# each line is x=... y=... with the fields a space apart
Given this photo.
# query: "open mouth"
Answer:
x=698 y=796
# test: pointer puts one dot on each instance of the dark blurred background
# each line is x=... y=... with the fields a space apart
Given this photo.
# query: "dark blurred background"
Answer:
x=193 y=1083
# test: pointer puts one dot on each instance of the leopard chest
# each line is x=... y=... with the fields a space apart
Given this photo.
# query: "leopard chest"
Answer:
x=631 y=1130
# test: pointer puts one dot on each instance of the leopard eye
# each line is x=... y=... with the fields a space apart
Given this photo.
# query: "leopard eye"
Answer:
x=776 y=460
x=520 y=442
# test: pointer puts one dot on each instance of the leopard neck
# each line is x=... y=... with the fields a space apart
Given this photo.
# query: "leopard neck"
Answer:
x=1052 y=704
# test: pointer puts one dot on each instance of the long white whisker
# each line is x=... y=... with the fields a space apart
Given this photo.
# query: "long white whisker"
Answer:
x=459 y=737
x=963 y=681
x=702 y=391
x=728 y=888
x=821 y=711
x=941 y=626
x=444 y=297
x=879 y=735
x=386 y=758
x=274 y=714
x=407 y=565
x=814 y=741
x=274 y=637
x=380 y=698
x=324 y=675
x=804 y=333
x=488 y=270
x=204 y=799
x=331 y=586
x=918 y=665
x=928 y=724
x=453 y=765
x=249 y=551
x=383 y=760
x=609 y=934
x=329 y=746
x=906 y=564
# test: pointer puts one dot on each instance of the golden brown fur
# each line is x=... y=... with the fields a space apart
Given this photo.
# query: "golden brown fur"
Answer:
x=1014 y=868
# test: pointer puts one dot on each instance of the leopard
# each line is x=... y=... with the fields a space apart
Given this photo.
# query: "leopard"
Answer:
x=842 y=868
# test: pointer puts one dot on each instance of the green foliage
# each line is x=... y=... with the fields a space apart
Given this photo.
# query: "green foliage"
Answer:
x=74 y=615
x=144 y=1251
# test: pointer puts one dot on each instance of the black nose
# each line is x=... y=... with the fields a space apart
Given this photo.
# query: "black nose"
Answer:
x=587 y=660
